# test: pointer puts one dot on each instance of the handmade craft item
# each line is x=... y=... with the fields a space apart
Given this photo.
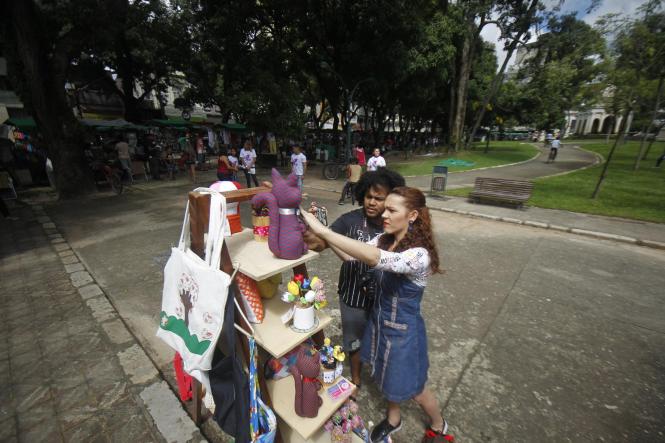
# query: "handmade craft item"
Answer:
x=305 y=375
x=285 y=235
x=306 y=295
x=251 y=298
x=331 y=361
x=345 y=421
x=261 y=223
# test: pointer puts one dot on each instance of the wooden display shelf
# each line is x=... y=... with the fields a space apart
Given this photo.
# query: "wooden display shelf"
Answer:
x=278 y=338
x=283 y=393
x=321 y=436
x=255 y=259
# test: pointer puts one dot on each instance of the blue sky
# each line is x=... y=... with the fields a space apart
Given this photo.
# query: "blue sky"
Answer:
x=628 y=7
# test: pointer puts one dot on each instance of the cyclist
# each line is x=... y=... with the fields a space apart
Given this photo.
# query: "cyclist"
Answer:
x=554 y=148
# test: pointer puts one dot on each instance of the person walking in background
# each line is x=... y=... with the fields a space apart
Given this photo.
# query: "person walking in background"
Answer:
x=190 y=160
x=123 y=157
x=377 y=161
x=248 y=161
x=224 y=171
x=360 y=155
x=233 y=161
x=298 y=165
x=170 y=162
x=200 y=152
x=353 y=173
x=395 y=340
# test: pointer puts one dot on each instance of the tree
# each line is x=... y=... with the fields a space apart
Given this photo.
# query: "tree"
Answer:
x=637 y=55
x=43 y=39
x=563 y=70
x=515 y=19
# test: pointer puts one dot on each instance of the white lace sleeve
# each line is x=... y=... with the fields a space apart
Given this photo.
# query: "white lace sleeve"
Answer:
x=413 y=262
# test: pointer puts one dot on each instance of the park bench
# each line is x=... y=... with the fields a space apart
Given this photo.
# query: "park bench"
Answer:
x=515 y=192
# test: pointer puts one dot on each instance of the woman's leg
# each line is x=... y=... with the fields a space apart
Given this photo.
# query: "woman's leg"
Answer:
x=256 y=182
x=247 y=177
x=394 y=414
x=192 y=172
x=430 y=405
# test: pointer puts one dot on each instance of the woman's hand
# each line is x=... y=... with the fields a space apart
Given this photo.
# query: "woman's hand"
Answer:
x=313 y=224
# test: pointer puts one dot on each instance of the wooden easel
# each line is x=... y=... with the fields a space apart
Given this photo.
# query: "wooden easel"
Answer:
x=199 y=205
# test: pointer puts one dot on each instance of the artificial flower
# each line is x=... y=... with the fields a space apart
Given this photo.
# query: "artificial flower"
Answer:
x=293 y=288
x=310 y=296
x=314 y=282
x=305 y=284
x=338 y=353
x=299 y=278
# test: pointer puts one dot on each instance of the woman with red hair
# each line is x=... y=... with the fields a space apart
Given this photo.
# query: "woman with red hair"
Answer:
x=395 y=341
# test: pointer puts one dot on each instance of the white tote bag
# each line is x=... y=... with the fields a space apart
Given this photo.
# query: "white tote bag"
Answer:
x=194 y=294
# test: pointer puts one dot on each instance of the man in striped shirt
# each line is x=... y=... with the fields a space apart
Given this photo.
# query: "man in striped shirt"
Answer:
x=361 y=224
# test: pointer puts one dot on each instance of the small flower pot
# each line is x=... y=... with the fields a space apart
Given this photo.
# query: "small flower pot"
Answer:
x=303 y=318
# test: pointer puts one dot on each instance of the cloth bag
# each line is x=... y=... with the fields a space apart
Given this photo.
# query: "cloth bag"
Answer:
x=262 y=420
x=195 y=294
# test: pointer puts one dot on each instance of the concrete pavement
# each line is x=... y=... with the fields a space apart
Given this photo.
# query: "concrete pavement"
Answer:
x=534 y=335
x=70 y=371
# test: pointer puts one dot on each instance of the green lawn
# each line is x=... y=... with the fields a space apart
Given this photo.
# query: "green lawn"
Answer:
x=500 y=153
x=625 y=193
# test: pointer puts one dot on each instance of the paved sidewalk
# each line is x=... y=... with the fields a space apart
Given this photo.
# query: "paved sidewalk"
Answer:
x=69 y=369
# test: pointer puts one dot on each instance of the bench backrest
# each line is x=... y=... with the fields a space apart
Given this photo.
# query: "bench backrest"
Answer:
x=517 y=187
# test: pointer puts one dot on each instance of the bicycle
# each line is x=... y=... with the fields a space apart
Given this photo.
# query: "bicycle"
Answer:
x=552 y=155
x=332 y=170
x=107 y=172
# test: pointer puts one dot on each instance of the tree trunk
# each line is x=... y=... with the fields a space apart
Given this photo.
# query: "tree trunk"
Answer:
x=646 y=153
x=641 y=153
x=459 y=111
x=44 y=68
x=609 y=156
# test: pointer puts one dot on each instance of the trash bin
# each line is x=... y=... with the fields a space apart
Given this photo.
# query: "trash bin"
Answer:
x=439 y=179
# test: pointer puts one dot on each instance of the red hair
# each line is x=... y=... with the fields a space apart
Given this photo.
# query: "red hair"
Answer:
x=420 y=233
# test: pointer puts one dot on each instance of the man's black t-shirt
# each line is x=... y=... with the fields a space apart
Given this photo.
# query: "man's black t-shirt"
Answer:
x=354 y=225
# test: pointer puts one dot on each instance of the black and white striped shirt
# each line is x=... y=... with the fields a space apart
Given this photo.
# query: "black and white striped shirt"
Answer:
x=354 y=225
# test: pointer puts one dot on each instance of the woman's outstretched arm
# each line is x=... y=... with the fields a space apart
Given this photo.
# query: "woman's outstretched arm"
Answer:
x=361 y=251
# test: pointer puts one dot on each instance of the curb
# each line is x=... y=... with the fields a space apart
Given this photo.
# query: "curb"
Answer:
x=160 y=401
x=542 y=225
x=536 y=224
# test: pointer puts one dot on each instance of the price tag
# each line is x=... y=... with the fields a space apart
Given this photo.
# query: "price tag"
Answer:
x=289 y=315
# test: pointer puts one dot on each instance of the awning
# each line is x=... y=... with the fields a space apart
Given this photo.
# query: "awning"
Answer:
x=22 y=123
x=234 y=126
x=174 y=122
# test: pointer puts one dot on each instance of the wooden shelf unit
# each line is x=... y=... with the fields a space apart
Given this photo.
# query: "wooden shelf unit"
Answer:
x=255 y=260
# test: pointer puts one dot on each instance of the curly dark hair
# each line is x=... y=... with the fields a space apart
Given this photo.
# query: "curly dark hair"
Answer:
x=384 y=178
x=420 y=234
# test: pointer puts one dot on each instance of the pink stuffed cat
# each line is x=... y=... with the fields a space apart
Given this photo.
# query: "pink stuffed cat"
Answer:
x=285 y=238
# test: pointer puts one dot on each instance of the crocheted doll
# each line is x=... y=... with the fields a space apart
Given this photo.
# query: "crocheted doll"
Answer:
x=305 y=373
x=285 y=234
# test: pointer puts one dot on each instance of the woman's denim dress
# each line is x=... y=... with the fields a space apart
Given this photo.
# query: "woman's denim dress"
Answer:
x=395 y=342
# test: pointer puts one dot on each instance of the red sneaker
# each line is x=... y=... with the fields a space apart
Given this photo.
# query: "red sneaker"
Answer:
x=432 y=436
